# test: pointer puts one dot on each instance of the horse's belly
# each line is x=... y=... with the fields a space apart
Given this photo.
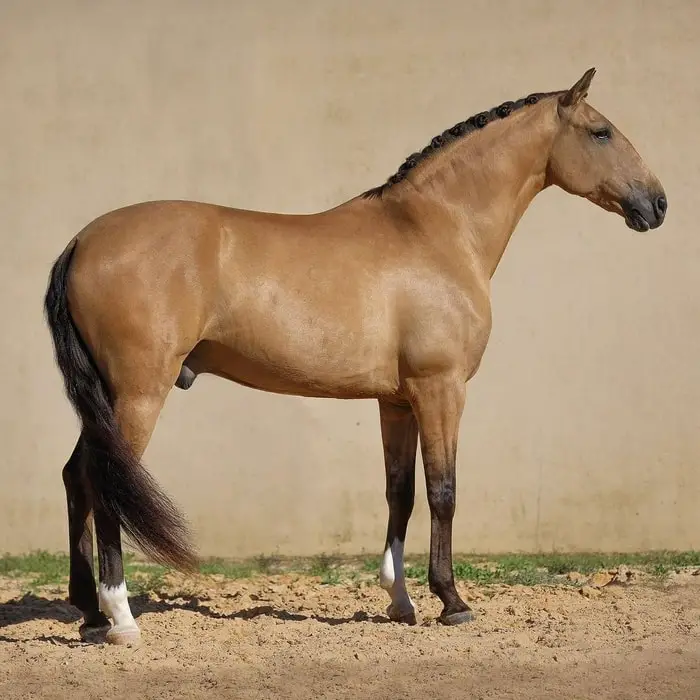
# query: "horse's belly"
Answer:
x=311 y=373
x=321 y=336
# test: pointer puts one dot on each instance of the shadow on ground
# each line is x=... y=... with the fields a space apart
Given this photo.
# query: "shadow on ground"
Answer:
x=141 y=604
x=32 y=607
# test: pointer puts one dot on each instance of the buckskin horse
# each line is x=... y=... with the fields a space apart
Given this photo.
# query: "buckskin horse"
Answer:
x=385 y=296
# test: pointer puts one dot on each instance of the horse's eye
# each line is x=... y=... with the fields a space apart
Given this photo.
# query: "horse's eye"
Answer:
x=601 y=134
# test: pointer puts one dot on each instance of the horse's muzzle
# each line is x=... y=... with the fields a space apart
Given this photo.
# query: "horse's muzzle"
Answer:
x=643 y=211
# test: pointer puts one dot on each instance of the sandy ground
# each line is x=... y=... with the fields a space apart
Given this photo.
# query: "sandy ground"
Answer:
x=289 y=636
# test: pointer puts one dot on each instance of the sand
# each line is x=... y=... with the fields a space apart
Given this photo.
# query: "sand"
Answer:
x=290 y=636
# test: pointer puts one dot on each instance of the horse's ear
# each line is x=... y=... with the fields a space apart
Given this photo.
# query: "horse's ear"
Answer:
x=573 y=96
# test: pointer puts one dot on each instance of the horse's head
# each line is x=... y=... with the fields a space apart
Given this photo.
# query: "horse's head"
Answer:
x=593 y=159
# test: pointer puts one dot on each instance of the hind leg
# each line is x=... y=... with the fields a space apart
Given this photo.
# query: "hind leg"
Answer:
x=114 y=601
x=81 y=587
x=136 y=415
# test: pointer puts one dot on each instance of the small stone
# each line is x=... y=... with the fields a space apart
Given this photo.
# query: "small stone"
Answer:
x=600 y=579
x=624 y=575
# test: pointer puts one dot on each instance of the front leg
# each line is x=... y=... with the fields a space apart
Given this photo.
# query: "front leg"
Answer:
x=438 y=403
x=400 y=440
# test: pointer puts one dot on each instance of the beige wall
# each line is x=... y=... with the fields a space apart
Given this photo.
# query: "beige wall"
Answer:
x=581 y=428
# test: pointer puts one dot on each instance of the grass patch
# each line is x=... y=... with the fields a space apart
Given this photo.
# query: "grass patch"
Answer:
x=418 y=572
x=327 y=568
x=43 y=568
x=142 y=582
x=229 y=569
x=532 y=569
x=371 y=564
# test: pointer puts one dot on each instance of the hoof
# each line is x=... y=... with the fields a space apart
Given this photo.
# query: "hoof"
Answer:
x=407 y=617
x=458 y=618
x=94 y=634
x=123 y=635
x=95 y=628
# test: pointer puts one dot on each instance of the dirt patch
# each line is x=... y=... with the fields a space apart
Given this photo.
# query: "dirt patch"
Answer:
x=290 y=636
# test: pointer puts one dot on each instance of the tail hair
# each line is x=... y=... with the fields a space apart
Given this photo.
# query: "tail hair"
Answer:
x=118 y=483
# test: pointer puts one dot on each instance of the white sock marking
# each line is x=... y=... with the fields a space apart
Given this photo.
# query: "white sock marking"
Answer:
x=114 y=603
x=391 y=577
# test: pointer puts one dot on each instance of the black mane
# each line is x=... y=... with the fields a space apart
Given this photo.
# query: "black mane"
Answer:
x=458 y=131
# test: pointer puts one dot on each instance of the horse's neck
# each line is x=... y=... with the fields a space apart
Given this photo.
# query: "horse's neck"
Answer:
x=485 y=183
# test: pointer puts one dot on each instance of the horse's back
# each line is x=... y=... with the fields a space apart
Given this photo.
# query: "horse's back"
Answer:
x=268 y=290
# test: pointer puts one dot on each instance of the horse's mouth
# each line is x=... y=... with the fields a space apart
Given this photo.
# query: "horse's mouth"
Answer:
x=636 y=221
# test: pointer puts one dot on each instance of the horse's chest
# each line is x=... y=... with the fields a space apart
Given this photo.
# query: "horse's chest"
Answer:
x=478 y=338
x=451 y=335
x=477 y=321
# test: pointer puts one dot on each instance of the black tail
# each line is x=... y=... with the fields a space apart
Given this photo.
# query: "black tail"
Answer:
x=118 y=482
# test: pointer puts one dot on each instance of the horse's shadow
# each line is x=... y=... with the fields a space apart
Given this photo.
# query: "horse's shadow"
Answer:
x=32 y=607
x=141 y=604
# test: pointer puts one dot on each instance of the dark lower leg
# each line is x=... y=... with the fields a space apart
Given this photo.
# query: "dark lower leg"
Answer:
x=439 y=403
x=81 y=586
x=441 y=498
x=400 y=438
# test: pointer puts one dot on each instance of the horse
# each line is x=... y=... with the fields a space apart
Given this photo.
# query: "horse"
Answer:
x=385 y=297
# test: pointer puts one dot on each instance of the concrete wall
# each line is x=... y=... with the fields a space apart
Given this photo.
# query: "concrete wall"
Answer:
x=581 y=428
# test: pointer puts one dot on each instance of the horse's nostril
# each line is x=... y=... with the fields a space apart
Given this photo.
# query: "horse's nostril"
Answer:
x=661 y=205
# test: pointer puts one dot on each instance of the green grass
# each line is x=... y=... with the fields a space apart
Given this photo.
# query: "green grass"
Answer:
x=42 y=568
x=532 y=569
x=231 y=569
x=371 y=564
x=326 y=568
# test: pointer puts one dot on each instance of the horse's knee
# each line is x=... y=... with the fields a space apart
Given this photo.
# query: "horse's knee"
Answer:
x=441 y=499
